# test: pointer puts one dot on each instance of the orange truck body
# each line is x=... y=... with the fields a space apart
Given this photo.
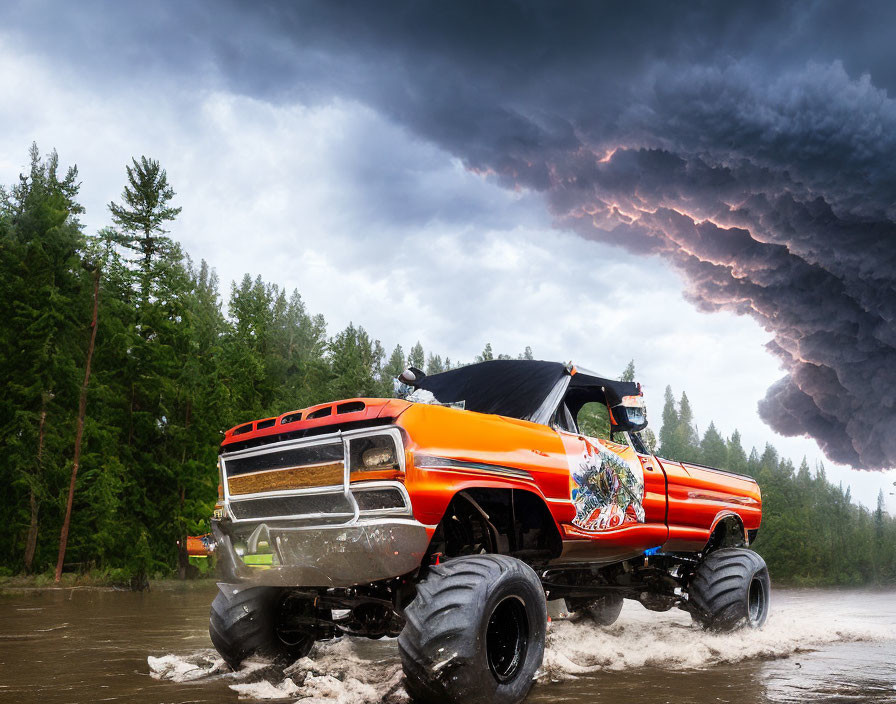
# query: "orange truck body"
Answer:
x=447 y=451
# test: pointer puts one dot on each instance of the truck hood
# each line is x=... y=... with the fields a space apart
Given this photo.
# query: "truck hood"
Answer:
x=352 y=412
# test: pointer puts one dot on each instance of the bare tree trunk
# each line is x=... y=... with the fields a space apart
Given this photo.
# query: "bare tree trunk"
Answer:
x=31 y=540
x=82 y=409
x=131 y=418
x=183 y=559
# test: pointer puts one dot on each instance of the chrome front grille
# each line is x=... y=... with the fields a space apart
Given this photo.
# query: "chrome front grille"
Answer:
x=310 y=479
x=380 y=499
x=285 y=468
x=307 y=505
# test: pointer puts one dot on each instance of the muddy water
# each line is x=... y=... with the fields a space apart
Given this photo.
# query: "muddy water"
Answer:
x=91 y=646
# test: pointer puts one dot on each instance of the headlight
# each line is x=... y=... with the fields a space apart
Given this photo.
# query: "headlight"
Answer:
x=373 y=457
x=378 y=457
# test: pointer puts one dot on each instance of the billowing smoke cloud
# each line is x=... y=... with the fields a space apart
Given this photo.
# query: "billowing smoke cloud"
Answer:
x=752 y=147
x=776 y=202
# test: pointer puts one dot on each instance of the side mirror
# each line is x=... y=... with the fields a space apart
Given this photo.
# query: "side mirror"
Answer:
x=630 y=415
x=411 y=376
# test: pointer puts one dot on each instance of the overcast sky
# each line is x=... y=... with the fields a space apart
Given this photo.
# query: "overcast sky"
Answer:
x=709 y=192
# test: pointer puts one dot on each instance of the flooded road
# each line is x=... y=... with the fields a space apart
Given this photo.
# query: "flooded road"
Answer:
x=87 y=645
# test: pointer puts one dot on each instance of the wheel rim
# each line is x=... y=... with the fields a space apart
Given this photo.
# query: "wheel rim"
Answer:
x=756 y=601
x=287 y=631
x=507 y=639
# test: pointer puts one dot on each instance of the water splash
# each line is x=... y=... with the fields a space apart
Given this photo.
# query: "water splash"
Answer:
x=204 y=665
x=347 y=671
x=670 y=641
x=358 y=671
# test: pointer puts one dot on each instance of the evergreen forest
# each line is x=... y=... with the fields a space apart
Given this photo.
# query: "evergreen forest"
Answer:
x=124 y=361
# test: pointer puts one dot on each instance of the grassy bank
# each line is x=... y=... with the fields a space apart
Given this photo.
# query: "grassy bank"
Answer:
x=98 y=579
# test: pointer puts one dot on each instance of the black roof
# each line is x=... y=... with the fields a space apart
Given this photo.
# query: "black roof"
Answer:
x=522 y=388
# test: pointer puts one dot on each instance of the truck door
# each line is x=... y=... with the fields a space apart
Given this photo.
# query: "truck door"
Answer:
x=619 y=496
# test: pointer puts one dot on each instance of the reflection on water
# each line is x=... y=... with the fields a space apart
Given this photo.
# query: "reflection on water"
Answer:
x=90 y=645
x=863 y=671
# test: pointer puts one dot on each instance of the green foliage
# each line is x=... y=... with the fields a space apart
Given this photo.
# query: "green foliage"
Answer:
x=434 y=364
x=668 y=431
x=396 y=364
x=736 y=457
x=354 y=362
x=685 y=433
x=416 y=357
x=713 y=449
x=41 y=354
x=594 y=421
x=392 y=369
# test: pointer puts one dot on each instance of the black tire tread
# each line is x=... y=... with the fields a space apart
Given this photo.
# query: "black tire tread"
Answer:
x=431 y=634
x=241 y=624
x=717 y=592
x=236 y=623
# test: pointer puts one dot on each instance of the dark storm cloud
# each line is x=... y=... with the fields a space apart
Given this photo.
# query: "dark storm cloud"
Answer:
x=752 y=146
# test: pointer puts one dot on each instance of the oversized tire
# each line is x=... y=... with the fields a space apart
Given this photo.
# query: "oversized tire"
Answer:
x=249 y=621
x=475 y=632
x=603 y=611
x=729 y=590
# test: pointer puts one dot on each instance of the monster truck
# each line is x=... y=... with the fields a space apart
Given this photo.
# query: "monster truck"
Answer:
x=449 y=517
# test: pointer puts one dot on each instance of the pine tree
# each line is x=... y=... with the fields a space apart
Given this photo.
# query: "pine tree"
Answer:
x=769 y=459
x=669 y=441
x=156 y=288
x=753 y=463
x=393 y=368
x=881 y=548
x=79 y=432
x=141 y=220
x=803 y=476
x=197 y=408
x=246 y=349
x=434 y=364
x=354 y=361
x=686 y=434
x=46 y=288
x=736 y=457
x=648 y=438
x=487 y=354
x=416 y=357
x=713 y=451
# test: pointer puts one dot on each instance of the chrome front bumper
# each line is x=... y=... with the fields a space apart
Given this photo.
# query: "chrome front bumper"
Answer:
x=325 y=556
